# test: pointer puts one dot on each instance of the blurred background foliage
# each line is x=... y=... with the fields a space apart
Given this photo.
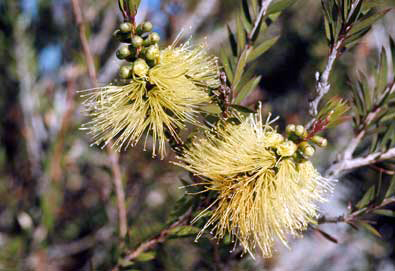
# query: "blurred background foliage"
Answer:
x=58 y=207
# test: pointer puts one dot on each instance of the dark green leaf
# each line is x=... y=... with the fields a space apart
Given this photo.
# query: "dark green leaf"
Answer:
x=226 y=65
x=279 y=5
x=184 y=231
x=382 y=73
x=327 y=236
x=367 y=198
x=242 y=109
x=146 y=256
x=240 y=68
x=241 y=35
x=384 y=212
x=366 y=21
x=262 y=48
x=134 y=5
x=247 y=89
x=246 y=11
x=212 y=109
x=232 y=41
x=370 y=228
x=391 y=189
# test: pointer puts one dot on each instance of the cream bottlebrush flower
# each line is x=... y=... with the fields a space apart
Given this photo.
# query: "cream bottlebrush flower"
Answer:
x=263 y=193
x=163 y=100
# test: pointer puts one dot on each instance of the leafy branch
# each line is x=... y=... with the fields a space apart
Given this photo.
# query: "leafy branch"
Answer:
x=373 y=114
x=346 y=22
x=247 y=44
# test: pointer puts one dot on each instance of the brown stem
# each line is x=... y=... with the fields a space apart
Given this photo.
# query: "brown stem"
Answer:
x=116 y=170
x=349 y=218
x=160 y=238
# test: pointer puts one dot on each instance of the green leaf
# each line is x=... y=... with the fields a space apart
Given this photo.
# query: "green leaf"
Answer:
x=240 y=68
x=184 y=231
x=367 y=198
x=391 y=189
x=384 y=212
x=366 y=21
x=134 y=5
x=241 y=35
x=212 y=108
x=382 y=73
x=125 y=263
x=121 y=5
x=232 y=41
x=262 y=48
x=226 y=65
x=279 y=5
x=370 y=228
x=247 y=89
x=242 y=109
x=327 y=236
x=392 y=50
x=245 y=15
x=146 y=256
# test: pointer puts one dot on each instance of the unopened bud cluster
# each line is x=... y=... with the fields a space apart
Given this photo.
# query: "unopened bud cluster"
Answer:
x=141 y=51
x=299 y=135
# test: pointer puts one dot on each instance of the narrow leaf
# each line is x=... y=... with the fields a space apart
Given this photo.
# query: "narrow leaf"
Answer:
x=146 y=256
x=382 y=73
x=370 y=228
x=384 y=212
x=232 y=41
x=391 y=189
x=367 y=198
x=262 y=48
x=327 y=236
x=184 y=231
x=367 y=21
x=279 y=5
x=247 y=89
x=240 y=68
x=240 y=34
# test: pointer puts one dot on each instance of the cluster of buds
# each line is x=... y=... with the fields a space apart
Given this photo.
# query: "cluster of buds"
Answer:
x=299 y=135
x=142 y=50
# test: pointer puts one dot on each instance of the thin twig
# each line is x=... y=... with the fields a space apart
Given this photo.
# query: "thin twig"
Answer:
x=322 y=81
x=160 y=238
x=262 y=12
x=354 y=216
x=341 y=167
x=116 y=170
x=264 y=6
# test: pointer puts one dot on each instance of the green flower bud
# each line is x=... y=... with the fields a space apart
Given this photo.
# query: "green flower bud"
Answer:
x=152 y=52
x=122 y=37
x=290 y=128
x=147 y=27
x=152 y=63
x=153 y=38
x=140 y=67
x=126 y=27
x=306 y=149
x=123 y=52
x=320 y=141
x=125 y=72
x=116 y=33
x=139 y=29
x=287 y=148
x=300 y=130
x=137 y=41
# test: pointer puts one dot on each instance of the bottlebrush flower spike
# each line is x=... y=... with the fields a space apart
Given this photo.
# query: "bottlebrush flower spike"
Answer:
x=264 y=191
x=163 y=100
